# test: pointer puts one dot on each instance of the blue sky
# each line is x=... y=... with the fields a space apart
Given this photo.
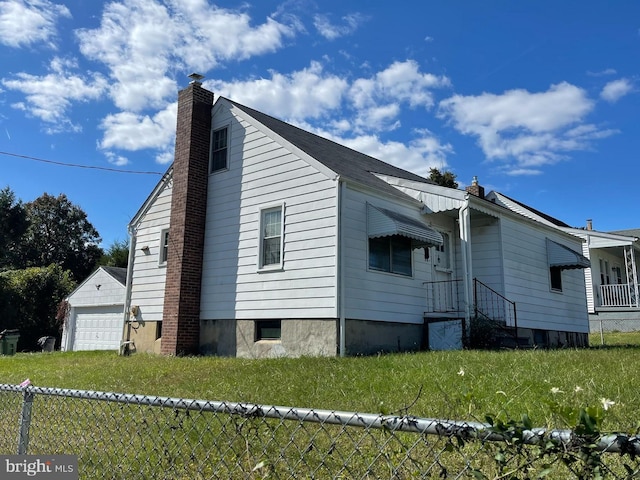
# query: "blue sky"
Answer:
x=539 y=99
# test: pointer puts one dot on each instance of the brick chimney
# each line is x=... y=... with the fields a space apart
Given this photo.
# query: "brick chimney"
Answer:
x=475 y=188
x=181 y=312
x=589 y=224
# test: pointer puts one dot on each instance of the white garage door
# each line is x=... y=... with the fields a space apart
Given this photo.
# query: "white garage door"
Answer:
x=98 y=328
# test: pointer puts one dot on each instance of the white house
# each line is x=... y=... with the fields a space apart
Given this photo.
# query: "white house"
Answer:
x=611 y=280
x=96 y=306
x=263 y=239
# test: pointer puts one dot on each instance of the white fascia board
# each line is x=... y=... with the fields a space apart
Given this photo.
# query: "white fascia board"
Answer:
x=158 y=189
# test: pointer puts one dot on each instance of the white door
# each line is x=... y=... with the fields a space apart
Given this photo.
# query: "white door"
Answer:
x=98 y=328
x=442 y=264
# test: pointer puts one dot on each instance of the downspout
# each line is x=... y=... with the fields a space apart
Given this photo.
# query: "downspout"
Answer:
x=340 y=288
x=126 y=324
x=465 y=235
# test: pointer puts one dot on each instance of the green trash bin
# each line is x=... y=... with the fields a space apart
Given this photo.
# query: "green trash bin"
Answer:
x=9 y=341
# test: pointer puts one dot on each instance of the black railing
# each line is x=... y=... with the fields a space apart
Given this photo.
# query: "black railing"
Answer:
x=488 y=303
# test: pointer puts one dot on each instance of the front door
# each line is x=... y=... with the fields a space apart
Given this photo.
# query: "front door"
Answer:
x=442 y=273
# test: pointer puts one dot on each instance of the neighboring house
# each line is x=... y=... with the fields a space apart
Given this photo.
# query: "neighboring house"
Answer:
x=611 y=280
x=96 y=307
x=263 y=239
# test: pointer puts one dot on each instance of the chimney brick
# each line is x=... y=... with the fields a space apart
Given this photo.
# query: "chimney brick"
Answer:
x=475 y=188
x=181 y=312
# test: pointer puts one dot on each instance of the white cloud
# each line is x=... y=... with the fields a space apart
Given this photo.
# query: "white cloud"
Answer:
x=117 y=160
x=616 y=89
x=50 y=96
x=27 y=22
x=602 y=73
x=130 y=131
x=143 y=43
x=401 y=82
x=306 y=93
x=331 y=31
x=530 y=129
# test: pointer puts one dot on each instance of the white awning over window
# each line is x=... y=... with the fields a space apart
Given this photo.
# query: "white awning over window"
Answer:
x=384 y=223
x=563 y=257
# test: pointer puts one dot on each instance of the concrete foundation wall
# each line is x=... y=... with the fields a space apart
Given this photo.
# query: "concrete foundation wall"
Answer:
x=144 y=337
x=364 y=337
x=551 y=338
x=298 y=337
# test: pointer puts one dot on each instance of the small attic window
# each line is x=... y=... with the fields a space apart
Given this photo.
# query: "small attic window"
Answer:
x=219 y=150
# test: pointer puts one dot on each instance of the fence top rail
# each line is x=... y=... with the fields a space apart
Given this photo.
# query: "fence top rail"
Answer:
x=615 y=443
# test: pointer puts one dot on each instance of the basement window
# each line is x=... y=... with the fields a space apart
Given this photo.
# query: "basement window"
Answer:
x=268 y=330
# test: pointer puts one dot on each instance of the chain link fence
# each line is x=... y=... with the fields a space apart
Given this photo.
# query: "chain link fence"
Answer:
x=601 y=327
x=124 y=436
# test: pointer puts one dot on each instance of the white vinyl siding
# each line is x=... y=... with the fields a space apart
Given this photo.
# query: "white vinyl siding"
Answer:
x=527 y=281
x=263 y=173
x=149 y=272
x=374 y=295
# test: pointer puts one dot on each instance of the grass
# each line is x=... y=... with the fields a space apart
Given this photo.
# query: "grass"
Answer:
x=462 y=385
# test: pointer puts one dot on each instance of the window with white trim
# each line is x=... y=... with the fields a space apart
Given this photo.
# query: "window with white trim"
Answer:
x=164 y=246
x=219 y=149
x=271 y=235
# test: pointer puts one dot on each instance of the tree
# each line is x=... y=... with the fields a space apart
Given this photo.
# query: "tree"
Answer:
x=117 y=254
x=29 y=302
x=60 y=233
x=446 y=179
x=13 y=225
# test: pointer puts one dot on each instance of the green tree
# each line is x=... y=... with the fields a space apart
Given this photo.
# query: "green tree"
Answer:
x=117 y=254
x=29 y=301
x=445 y=179
x=13 y=225
x=60 y=233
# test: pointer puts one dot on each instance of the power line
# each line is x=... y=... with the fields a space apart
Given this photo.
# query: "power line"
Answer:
x=76 y=165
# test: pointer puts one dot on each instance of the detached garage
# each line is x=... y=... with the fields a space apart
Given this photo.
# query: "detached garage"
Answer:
x=96 y=309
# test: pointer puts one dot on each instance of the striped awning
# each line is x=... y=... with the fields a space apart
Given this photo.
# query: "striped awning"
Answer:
x=385 y=223
x=563 y=257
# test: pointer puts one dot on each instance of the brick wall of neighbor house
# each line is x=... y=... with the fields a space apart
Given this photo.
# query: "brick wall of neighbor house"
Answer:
x=181 y=311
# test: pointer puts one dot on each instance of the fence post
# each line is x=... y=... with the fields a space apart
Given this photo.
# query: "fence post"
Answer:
x=25 y=421
x=601 y=333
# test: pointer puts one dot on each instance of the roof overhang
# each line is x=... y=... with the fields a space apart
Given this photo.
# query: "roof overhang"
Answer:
x=565 y=258
x=385 y=223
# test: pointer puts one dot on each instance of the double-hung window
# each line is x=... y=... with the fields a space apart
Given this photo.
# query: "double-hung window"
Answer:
x=219 y=149
x=390 y=254
x=164 y=247
x=271 y=236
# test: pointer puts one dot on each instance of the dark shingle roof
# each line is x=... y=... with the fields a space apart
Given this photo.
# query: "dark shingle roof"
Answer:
x=120 y=274
x=349 y=164
x=549 y=218
x=632 y=232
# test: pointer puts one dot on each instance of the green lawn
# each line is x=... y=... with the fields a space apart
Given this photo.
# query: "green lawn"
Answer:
x=463 y=385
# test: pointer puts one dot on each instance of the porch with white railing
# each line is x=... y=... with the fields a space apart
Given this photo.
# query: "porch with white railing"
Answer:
x=619 y=295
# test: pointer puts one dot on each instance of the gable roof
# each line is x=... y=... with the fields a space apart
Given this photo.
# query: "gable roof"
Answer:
x=350 y=164
x=548 y=218
x=118 y=273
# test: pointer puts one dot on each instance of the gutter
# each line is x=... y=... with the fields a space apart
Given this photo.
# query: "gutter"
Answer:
x=464 y=221
x=125 y=344
x=340 y=284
